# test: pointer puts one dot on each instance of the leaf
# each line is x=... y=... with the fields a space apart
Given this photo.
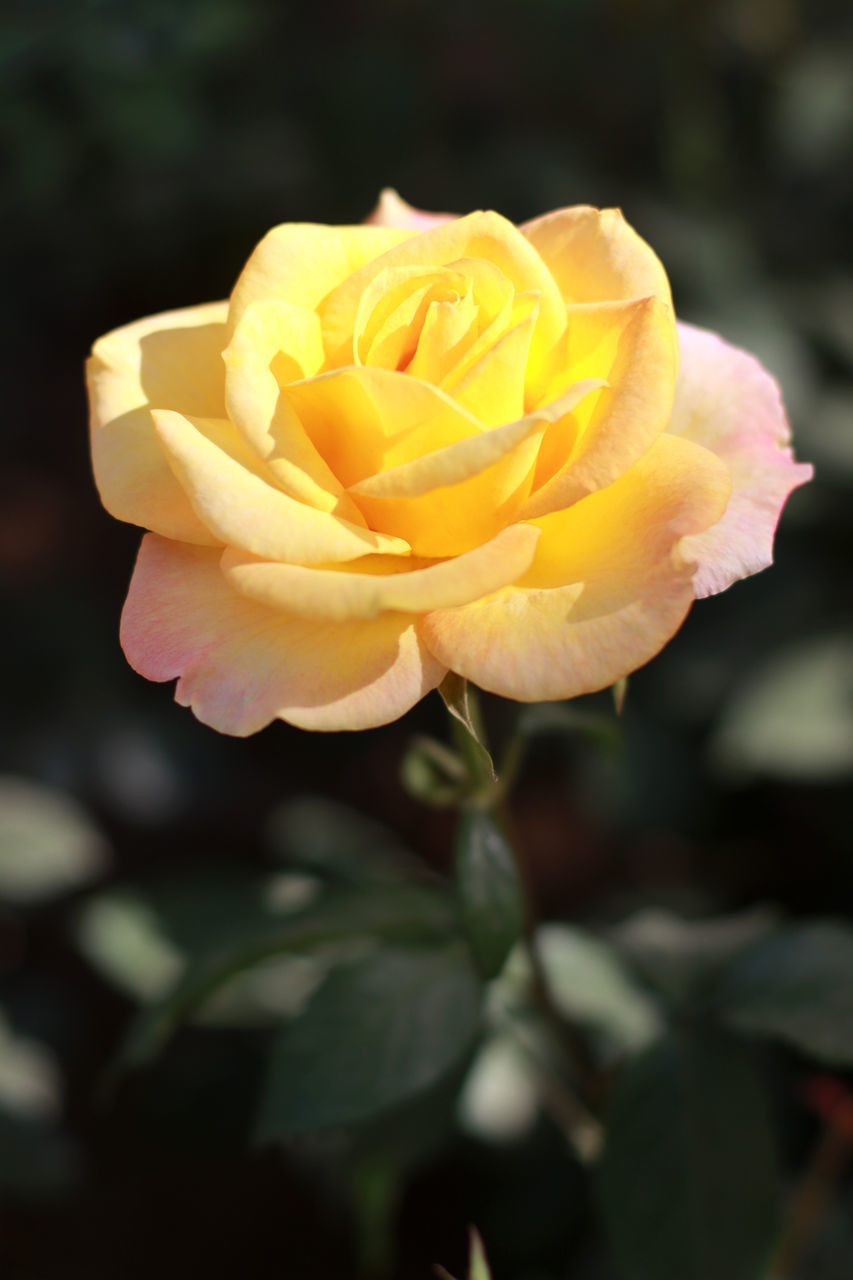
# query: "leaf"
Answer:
x=377 y=1032
x=478 y=1264
x=794 y=718
x=591 y=986
x=796 y=985
x=461 y=703
x=675 y=954
x=403 y=913
x=337 y=842
x=491 y=896
x=434 y=774
x=48 y=843
x=688 y=1182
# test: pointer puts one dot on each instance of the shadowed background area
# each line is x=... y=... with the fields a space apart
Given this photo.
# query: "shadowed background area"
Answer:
x=146 y=147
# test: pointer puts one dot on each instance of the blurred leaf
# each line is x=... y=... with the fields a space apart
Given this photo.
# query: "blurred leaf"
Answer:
x=499 y=1101
x=489 y=888
x=121 y=936
x=29 y=1076
x=404 y=913
x=797 y=985
x=478 y=1263
x=591 y=986
x=48 y=844
x=565 y=719
x=674 y=953
x=688 y=1180
x=794 y=717
x=375 y=1033
x=434 y=774
x=337 y=842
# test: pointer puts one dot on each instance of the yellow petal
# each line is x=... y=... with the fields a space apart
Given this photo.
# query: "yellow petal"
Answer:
x=608 y=587
x=303 y=262
x=365 y=420
x=275 y=342
x=241 y=505
x=171 y=360
x=455 y=498
x=493 y=388
x=595 y=256
x=376 y=584
x=240 y=664
x=480 y=236
x=630 y=346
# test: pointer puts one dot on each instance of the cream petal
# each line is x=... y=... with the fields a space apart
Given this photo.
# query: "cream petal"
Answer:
x=240 y=664
x=727 y=402
x=171 y=360
x=339 y=595
x=608 y=587
x=241 y=506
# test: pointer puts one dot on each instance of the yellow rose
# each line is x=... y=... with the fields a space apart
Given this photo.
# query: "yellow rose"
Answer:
x=444 y=444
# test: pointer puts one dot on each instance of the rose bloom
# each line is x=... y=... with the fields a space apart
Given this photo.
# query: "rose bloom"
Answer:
x=428 y=444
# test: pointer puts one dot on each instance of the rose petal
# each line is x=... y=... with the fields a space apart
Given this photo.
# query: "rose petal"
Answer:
x=608 y=586
x=241 y=506
x=240 y=664
x=173 y=361
x=595 y=256
x=376 y=584
x=479 y=235
x=630 y=346
x=302 y=262
x=727 y=402
x=393 y=211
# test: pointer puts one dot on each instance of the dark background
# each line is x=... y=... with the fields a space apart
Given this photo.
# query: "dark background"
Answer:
x=145 y=148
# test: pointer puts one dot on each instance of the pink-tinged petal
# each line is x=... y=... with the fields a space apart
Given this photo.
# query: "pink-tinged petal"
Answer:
x=727 y=402
x=393 y=211
x=240 y=664
x=607 y=589
x=171 y=361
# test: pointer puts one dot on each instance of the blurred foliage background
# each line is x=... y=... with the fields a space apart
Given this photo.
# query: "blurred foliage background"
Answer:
x=145 y=149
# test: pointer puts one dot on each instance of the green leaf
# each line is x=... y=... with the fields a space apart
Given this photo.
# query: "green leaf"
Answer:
x=462 y=704
x=377 y=1032
x=337 y=842
x=676 y=954
x=688 y=1181
x=478 y=1264
x=434 y=774
x=796 y=985
x=592 y=988
x=491 y=896
x=48 y=843
x=566 y=719
x=403 y=913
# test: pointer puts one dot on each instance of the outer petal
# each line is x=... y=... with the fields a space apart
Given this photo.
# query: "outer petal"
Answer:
x=607 y=589
x=631 y=346
x=379 y=584
x=241 y=664
x=240 y=505
x=727 y=402
x=393 y=211
x=170 y=361
x=302 y=262
x=595 y=256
